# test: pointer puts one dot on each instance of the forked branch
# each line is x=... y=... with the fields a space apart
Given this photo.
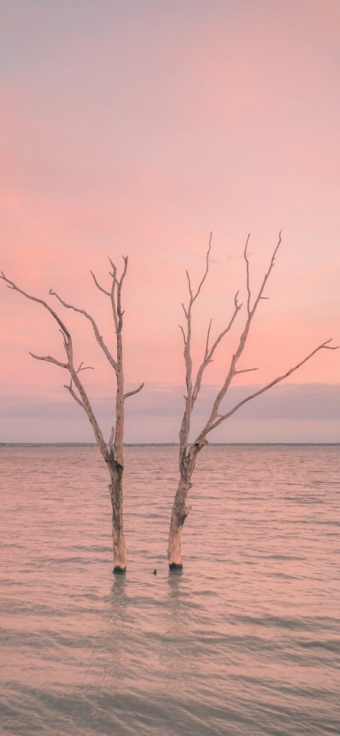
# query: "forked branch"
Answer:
x=70 y=389
x=216 y=416
x=194 y=386
x=83 y=401
x=222 y=417
x=115 y=295
x=251 y=310
x=188 y=456
x=208 y=356
x=12 y=285
x=98 y=285
x=97 y=334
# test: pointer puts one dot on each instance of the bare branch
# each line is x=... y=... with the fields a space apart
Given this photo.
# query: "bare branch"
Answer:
x=236 y=301
x=206 y=353
x=191 y=396
x=206 y=271
x=49 y=359
x=183 y=333
x=189 y=285
x=132 y=393
x=118 y=312
x=114 y=270
x=209 y=353
x=111 y=439
x=13 y=286
x=126 y=261
x=69 y=388
x=250 y=310
x=88 y=316
x=90 y=413
x=323 y=346
x=245 y=254
x=66 y=342
x=98 y=285
x=245 y=370
x=113 y=301
x=188 y=455
x=243 y=338
x=85 y=368
x=267 y=274
x=84 y=402
x=227 y=329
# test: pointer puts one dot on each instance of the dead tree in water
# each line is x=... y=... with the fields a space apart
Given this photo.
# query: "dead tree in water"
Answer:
x=188 y=453
x=113 y=451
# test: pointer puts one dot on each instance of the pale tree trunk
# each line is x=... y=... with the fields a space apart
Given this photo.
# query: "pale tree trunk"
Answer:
x=179 y=513
x=116 y=493
x=113 y=452
x=180 y=509
x=187 y=455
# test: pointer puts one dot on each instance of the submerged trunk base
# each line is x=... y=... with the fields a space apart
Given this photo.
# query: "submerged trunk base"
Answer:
x=116 y=493
x=175 y=567
x=117 y=570
x=179 y=514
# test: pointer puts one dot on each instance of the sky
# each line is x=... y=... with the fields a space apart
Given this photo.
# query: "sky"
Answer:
x=137 y=128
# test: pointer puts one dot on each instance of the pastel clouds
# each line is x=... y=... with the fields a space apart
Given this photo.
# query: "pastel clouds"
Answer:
x=138 y=128
x=291 y=413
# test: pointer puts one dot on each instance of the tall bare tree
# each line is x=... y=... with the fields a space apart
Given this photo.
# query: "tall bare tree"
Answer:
x=188 y=452
x=112 y=451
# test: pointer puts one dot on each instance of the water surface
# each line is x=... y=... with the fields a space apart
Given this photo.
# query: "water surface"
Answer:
x=246 y=642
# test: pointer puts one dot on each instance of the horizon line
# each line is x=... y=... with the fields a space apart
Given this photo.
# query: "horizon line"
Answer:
x=168 y=444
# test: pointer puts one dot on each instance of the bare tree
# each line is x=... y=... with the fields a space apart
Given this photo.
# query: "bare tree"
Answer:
x=188 y=452
x=112 y=451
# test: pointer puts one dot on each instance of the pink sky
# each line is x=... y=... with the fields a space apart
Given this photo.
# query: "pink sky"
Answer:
x=137 y=128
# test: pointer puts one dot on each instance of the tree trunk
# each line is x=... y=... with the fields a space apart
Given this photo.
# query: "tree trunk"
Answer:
x=179 y=514
x=116 y=493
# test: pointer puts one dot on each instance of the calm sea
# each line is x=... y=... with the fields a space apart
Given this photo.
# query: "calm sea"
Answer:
x=245 y=643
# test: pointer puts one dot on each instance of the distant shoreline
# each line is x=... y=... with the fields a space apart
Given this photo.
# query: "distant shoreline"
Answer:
x=173 y=444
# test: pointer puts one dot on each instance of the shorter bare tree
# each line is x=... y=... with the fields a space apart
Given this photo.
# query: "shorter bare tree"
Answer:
x=188 y=452
x=112 y=452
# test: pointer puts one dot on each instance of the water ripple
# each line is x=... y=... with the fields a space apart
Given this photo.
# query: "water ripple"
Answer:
x=245 y=643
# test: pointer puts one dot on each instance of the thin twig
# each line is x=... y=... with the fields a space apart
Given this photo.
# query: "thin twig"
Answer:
x=98 y=285
x=132 y=393
x=49 y=359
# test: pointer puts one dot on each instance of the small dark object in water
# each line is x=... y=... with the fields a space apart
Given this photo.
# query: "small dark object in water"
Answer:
x=154 y=572
x=119 y=570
